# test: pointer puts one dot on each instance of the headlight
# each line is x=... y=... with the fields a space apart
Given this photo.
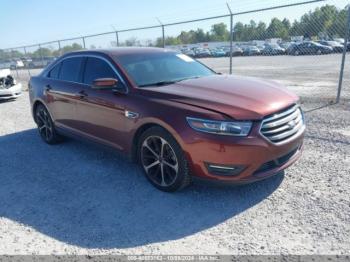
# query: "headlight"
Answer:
x=234 y=128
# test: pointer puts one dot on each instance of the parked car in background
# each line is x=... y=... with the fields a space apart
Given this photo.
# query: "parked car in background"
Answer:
x=5 y=64
x=273 y=49
x=188 y=52
x=340 y=40
x=9 y=88
x=236 y=50
x=337 y=47
x=16 y=64
x=41 y=62
x=309 y=48
x=174 y=116
x=26 y=61
x=251 y=50
x=285 y=45
x=11 y=64
x=202 y=52
x=217 y=52
x=348 y=46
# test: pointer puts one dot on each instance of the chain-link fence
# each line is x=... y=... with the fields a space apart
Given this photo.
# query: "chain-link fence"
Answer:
x=307 y=54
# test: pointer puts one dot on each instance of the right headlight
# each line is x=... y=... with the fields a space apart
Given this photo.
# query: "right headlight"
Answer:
x=231 y=128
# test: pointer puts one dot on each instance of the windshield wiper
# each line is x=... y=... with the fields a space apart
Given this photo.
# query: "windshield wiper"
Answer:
x=164 y=83
x=161 y=83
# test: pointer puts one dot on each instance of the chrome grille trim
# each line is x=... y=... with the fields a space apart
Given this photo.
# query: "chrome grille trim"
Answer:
x=283 y=126
x=281 y=121
x=281 y=114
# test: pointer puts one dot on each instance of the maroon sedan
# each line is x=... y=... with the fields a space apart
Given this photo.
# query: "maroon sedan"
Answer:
x=175 y=116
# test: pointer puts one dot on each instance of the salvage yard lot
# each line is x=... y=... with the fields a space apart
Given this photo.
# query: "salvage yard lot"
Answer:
x=312 y=77
x=79 y=198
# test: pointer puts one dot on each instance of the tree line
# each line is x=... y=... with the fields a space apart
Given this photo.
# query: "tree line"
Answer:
x=324 y=22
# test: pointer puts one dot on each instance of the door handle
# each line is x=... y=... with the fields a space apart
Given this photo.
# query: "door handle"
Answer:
x=82 y=94
x=48 y=88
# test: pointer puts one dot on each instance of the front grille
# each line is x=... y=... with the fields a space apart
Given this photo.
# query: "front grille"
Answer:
x=283 y=125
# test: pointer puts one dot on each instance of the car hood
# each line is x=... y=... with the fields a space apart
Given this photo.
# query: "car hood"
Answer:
x=240 y=98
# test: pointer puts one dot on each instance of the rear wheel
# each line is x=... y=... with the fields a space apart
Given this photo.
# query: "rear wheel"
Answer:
x=163 y=160
x=45 y=125
x=319 y=52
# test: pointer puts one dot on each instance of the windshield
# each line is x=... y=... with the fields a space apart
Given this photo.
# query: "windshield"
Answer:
x=161 y=68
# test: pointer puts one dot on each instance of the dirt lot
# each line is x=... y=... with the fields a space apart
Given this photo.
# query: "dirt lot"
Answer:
x=78 y=198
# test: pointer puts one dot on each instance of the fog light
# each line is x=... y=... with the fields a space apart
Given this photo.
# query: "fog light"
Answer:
x=224 y=170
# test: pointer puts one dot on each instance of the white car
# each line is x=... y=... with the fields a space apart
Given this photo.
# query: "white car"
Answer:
x=9 y=88
x=12 y=64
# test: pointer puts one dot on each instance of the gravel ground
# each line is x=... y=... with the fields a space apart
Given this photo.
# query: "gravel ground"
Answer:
x=79 y=198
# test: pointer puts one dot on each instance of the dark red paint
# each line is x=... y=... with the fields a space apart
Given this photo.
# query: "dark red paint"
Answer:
x=100 y=116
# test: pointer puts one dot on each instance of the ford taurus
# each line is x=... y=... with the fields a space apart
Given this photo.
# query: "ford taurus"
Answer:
x=175 y=116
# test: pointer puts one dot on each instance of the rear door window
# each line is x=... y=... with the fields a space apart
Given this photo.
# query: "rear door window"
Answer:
x=55 y=71
x=70 y=69
x=97 y=68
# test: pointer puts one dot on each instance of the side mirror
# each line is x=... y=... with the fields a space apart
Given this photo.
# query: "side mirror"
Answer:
x=104 y=83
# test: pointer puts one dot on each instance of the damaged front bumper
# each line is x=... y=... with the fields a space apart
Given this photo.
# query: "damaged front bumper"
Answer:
x=11 y=92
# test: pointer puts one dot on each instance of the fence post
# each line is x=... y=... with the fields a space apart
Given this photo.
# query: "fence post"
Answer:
x=231 y=36
x=59 y=47
x=117 y=36
x=41 y=56
x=27 y=65
x=340 y=84
x=163 y=35
x=83 y=42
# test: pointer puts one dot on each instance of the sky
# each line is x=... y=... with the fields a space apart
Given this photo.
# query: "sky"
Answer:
x=26 y=22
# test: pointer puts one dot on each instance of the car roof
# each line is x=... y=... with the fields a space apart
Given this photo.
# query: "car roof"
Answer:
x=124 y=51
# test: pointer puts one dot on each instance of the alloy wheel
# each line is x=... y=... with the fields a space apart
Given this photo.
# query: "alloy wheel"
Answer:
x=159 y=161
x=44 y=124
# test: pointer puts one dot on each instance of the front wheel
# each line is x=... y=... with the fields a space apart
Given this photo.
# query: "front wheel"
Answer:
x=163 y=160
x=45 y=125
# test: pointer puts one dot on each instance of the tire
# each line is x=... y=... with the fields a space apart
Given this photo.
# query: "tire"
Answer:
x=319 y=52
x=45 y=125
x=296 y=52
x=162 y=160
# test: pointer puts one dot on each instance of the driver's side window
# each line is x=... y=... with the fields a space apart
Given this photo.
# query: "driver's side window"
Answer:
x=97 y=68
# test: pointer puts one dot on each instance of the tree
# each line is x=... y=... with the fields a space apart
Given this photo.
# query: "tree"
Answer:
x=70 y=48
x=219 y=32
x=261 y=31
x=277 y=29
x=42 y=52
x=238 y=32
x=132 y=41
x=326 y=22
